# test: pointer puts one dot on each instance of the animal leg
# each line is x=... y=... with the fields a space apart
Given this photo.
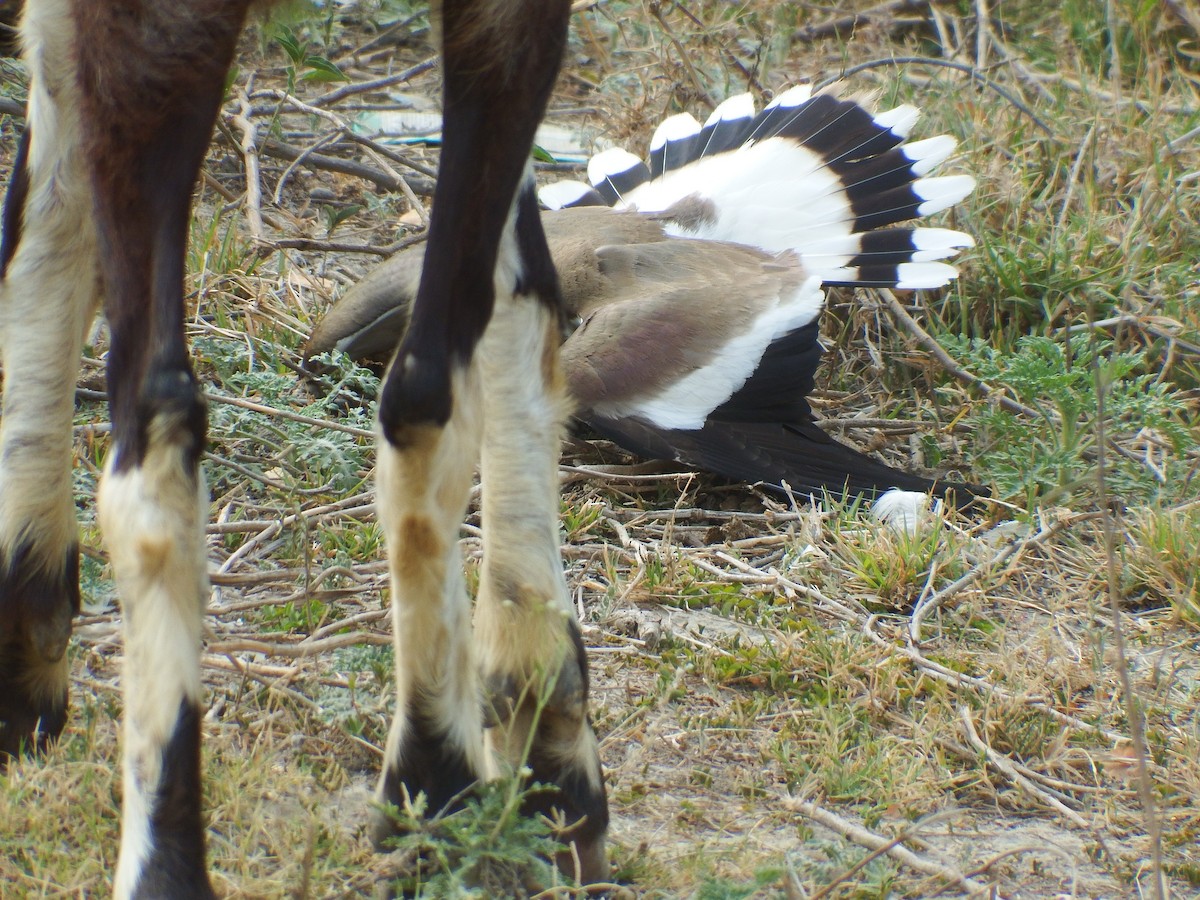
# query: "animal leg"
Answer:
x=152 y=78
x=483 y=255
x=435 y=745
x=48 y=298
x=531 y=653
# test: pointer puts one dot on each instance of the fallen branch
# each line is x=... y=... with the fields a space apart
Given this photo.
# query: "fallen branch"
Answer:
x=289 y=152
x=886 y=15
x=926 y=605
x=249 y=147
x=299 y=649
x=941 y=673
x=892 y=847
x=1003 y=765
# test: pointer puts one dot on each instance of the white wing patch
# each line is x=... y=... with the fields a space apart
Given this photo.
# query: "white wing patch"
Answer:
x=773 y=194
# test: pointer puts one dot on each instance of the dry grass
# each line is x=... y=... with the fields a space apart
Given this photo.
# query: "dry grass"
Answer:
x=776 y=721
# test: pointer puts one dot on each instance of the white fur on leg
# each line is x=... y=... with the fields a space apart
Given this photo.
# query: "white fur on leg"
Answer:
x=47 y=301
x=422 y=497
x=524 y=620
x=525 y=403
x=152 y=517
x=903 y=511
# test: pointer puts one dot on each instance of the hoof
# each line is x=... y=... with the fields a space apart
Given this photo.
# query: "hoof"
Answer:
x=36 y=608
x=31 y=719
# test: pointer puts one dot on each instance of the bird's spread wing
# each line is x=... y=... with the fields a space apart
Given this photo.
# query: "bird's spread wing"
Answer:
x=685 y=326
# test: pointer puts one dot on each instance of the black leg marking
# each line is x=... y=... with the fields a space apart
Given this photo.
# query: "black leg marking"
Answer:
x=538 y=275
x=175 y=867
x=579 y=801
x=36 y=608
x=12 y=219
x=430 y=764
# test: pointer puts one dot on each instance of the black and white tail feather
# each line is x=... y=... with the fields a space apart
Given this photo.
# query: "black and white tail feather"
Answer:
x=837 y=186
x=816 y=175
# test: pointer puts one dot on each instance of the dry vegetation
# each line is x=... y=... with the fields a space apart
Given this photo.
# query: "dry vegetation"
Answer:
x=792 y=703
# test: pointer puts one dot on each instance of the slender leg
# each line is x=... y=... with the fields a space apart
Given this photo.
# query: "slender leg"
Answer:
x=435 y=745
x=152 y=77
x=500 y=60
x=531 y=653
x=48 y=297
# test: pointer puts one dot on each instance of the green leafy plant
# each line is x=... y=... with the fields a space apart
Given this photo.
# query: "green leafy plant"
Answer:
x=305 y=66
x=485 y=849
x=1048 y=460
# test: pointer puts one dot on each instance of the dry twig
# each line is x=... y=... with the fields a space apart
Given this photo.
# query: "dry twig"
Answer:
x=892 y=847
x=896 y=308
x=1005 y=767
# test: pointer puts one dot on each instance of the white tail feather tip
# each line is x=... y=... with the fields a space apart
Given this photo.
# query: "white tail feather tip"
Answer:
x=793 y=96
x=940 y=239
x=928 y=154
x=899 y=121
x=942 y=192
x=610 y=162
x=916 y=276
x=562 y=193
x=740 y=106
x=902 y=510
x=673 y=128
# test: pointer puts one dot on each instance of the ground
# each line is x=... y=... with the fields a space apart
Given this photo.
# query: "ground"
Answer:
x=776 y=720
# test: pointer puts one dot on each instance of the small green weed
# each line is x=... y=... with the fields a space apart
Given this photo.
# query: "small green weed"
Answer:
x=1162 y=558
x=305 y=65
x=728 y=889
x=303 y=617
x=1049 y=463
x=486 y=849
x=890 y=569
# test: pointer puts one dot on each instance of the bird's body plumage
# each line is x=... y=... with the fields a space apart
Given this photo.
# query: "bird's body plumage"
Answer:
x=693 y=282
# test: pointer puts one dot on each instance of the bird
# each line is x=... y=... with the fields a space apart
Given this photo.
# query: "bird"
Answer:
x=693 y=286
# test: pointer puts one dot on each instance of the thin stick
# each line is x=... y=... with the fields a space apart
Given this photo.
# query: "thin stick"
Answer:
x=946 y=64
x=405 y=188
x=249 y=148
x=1002 y=764
x=1133 y=706
x=364 y=87
x=234 y=200
x=928 y=604
x=286 y=151
x=298 y=161
x=892 y=848
x=885 y=15
x=383 y=250
x=896 y=308
x=684 y=57
x=291 y=416
x=300 y=649
x=88 y=394
x=1073 y=179
x=941 y=673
